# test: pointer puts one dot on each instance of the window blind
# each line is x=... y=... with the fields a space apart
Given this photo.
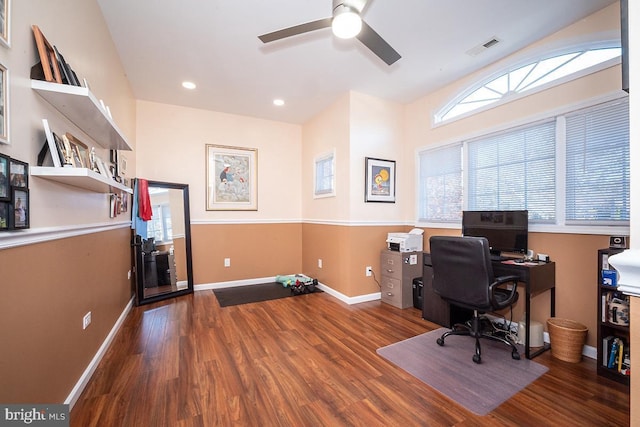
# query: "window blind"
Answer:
x=515 y=169
x=597 y=165
x=441 y=184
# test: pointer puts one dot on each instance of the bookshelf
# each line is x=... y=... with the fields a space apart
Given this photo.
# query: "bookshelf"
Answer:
x=613 y=324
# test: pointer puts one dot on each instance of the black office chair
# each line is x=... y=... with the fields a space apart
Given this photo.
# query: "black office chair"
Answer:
x=463 y=276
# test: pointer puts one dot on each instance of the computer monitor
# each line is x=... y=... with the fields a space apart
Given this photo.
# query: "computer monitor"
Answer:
x=506 y=231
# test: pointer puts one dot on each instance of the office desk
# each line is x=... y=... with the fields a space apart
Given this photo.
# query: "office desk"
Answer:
x=536 y=277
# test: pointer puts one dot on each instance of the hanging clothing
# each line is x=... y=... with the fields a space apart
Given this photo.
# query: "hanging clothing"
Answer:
x=144 y=201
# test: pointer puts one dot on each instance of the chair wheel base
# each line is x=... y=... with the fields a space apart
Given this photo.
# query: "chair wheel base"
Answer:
x=440 y=342
x=477 y=358
x=515 y=355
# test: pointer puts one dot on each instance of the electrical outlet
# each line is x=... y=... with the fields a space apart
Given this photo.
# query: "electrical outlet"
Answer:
x=86 y=320
x=368 y=271
x=129 y=275
x=227 y=262
x=319 y=263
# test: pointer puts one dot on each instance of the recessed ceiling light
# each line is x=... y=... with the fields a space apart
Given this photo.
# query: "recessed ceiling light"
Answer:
x=188 y=85
x=278 y=102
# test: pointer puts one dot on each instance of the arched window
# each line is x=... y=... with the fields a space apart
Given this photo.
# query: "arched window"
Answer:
x=517 y=82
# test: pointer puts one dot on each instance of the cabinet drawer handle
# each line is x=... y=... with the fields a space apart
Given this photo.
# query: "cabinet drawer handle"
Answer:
x=389 y=270
x=389 y=294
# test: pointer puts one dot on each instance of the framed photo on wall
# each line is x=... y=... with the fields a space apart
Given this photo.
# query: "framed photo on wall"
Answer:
x=18 y=173
x=20 y=208
x=380 y=180
x=4 y=105
x=231 y=178
x=4 y=216
x=5 y=23
x=5 y=195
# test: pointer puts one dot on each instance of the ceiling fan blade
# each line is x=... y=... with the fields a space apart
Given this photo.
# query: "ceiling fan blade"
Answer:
x=377 y=44
x=294 y=31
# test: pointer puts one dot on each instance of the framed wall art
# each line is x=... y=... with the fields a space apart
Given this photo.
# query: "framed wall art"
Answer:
x=4 y=216
x=5 y=23
x=20 y=208
x=5 y=195
x=4 y=105
x=380 y=180
x=231 y=178
x=18 y=173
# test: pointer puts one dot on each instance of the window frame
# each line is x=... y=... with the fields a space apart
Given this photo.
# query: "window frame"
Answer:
x=437 y=117
x=327 y=157
x=561 y=225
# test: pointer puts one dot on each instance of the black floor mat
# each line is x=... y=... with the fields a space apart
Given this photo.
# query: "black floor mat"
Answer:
x=252 y=293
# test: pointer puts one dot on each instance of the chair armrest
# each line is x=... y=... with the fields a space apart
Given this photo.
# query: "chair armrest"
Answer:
x=500 y=281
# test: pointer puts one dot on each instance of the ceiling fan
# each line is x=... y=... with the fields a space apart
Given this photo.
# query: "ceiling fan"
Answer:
x=345 y=23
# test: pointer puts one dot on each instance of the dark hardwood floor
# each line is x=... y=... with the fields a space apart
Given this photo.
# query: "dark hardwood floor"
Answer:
x=305 y=361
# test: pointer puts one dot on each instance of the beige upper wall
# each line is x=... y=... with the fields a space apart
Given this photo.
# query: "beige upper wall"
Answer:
x=603 y=25
x=172 y=141
x=77 y=29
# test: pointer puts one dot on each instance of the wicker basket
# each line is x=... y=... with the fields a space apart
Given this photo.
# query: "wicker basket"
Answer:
x=567 y=338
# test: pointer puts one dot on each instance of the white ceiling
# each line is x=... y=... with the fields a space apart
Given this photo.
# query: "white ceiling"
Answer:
x=214 y=43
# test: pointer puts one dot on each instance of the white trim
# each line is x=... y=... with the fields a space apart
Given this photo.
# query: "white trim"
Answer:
x=628 y=265
x=342 y=297
x=88 y=372
x=233 y=283
x=30 y=236
x=540 y=54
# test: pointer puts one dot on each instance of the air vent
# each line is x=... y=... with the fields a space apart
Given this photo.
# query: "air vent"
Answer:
x=482 y=47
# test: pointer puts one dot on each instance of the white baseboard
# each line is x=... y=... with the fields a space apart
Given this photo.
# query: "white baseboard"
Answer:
x=342 y=297
x=88 y=372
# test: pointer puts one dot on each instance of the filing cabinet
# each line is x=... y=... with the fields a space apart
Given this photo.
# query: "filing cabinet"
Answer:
x=398 y=269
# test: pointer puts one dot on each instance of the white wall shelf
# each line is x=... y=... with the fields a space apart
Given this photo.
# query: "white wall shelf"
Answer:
x=81 y=178
x=82 y=108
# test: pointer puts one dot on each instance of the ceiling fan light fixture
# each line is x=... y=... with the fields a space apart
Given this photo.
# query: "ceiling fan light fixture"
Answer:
x=346 y=23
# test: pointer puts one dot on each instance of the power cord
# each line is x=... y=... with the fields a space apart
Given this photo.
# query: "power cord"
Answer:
x=373 y=274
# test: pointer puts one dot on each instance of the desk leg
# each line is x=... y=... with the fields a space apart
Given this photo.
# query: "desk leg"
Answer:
x=527 y=351
x=546 y=346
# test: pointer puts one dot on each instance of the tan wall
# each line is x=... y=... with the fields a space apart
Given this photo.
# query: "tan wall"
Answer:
x=47 y=288
x=255 y=250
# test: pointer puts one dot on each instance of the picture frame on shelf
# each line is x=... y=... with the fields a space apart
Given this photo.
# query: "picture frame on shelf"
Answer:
x=56 y=156
x=4 y=216
x=380 y=180
x=5 y=23
x=18 y=174
x=63 y=152
x=4 y=104
x=79 y=150
x=20 y=210
x=48 y=60
x=5 y=183
x=231 y=178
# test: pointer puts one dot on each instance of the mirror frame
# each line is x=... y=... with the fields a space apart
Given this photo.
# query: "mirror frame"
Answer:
x=137 y=244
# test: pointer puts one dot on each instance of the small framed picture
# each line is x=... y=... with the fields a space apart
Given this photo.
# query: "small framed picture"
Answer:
x=4 y=216
x=19 y=173
x=5 y=23
x=20 y=208
x=79 y=151
x=5 y=195
x=380 y=180
x=50 y=68
x=4 y=105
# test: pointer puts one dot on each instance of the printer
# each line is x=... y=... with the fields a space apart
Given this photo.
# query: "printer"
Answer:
x=405 y=242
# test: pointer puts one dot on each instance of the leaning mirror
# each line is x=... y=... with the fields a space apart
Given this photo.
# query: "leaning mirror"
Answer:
x=162 y=241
